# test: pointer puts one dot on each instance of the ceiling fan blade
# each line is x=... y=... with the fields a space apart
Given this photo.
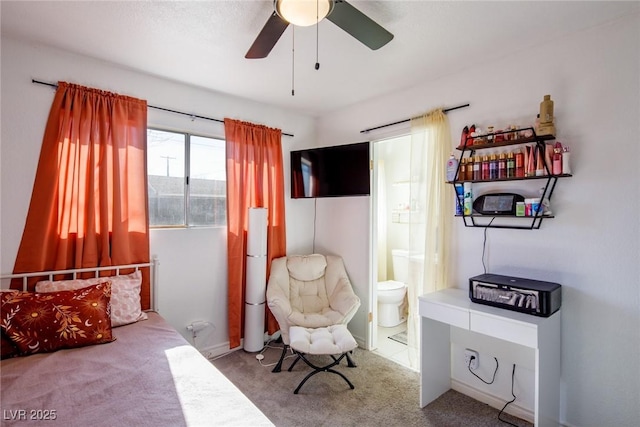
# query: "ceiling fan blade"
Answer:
x=359 y=25
x=268 y=37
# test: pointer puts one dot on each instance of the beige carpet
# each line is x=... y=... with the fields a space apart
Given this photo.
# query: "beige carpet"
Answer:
x=385 y=394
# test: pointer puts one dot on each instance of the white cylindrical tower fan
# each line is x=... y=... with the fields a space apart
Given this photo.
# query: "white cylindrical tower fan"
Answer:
x=256 y=280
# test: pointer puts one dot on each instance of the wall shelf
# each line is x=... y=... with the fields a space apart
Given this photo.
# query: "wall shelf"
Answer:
x=508 y=221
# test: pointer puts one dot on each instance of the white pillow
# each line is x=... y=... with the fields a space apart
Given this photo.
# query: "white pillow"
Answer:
x=125 y=295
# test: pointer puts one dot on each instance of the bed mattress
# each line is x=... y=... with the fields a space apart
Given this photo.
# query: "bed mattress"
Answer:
x=149 y=376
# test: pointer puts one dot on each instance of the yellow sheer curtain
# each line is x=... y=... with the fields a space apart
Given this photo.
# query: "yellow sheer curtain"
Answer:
x=431 y=217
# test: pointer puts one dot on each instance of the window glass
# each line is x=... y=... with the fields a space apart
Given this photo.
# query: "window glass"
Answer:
x=185 y=193
x=207 y=182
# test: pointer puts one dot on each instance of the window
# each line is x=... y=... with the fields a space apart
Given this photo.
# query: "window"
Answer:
x=187 y=180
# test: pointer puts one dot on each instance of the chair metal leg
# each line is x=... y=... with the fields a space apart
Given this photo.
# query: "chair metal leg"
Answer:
x=278 y=366
x=294 y=363
x=350 y=362
x=317 y=369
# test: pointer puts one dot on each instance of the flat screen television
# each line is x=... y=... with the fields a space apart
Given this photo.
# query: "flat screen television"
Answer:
x=341 y=170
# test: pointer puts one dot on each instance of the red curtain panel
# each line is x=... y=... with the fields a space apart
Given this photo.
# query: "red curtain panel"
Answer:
x=255 y=178
x=89 y=201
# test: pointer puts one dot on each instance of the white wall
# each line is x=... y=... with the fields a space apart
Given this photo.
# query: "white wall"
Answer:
x=592 y=247
x=193 y=272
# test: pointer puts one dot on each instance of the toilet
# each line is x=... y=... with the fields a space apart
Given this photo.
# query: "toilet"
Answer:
x=392 y=293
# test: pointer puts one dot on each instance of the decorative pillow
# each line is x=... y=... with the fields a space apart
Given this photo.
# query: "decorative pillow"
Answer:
x=40 y=323
x=7 y=349
x=125 y=295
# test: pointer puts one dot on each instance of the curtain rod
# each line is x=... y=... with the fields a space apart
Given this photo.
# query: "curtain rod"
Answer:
x=446 y=110
x=193 y=116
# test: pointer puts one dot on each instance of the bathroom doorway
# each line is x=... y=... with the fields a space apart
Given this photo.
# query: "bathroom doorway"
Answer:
x=391 y=206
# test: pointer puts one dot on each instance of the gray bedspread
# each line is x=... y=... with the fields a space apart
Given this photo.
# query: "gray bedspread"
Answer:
x=149 y=376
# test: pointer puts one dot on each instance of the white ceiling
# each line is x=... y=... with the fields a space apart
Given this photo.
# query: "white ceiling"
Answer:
x=204 y=43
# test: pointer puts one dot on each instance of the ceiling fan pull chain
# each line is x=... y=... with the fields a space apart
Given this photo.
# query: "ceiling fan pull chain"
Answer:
x=317 y=32
x=293 y=59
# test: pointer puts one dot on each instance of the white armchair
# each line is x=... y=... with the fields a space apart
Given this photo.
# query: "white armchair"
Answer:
x=312 y=291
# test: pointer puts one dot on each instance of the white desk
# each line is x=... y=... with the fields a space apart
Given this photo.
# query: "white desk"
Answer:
x=452 y=307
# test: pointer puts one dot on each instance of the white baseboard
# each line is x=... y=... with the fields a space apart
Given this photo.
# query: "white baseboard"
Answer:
x=492 y=400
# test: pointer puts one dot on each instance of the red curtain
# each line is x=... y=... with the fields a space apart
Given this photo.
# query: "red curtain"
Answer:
x=255 y=178
x=89 y=201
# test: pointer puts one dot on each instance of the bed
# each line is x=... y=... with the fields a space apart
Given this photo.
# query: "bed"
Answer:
x=148 y=376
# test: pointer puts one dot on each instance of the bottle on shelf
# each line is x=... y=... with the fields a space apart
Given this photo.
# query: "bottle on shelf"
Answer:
x=546 y=110
x=557 y=159
x=468 y=199
x=519 y=164
x=514 y=132
x=464 y=136
x=477 y=173
x=462 y=172
x=493 y=167
x=459 y=199
x=502 y=166
x=539 y=161
x=469 y=175
x=452 y=168
x=485 y=168
x=530 y=161
x=565 y=160
x=546 y=126
x=511 y=165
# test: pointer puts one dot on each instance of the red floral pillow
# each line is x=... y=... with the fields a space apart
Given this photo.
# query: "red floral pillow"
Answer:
x=39 y=323
x=6 y=347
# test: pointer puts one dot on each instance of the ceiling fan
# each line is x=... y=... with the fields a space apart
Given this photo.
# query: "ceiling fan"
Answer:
x=310 y=12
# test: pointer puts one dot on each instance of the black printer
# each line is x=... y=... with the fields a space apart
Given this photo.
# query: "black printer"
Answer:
x=515 y=293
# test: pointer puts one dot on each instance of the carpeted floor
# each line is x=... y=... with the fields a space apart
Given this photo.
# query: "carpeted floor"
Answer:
x=385 y=394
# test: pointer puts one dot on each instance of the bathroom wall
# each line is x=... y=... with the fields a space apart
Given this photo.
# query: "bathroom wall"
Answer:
x=395 y=154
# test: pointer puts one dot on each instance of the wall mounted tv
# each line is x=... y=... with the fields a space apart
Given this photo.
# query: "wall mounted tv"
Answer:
x=341 y=170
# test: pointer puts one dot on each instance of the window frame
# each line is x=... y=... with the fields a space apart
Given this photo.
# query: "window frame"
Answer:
x=187 y=178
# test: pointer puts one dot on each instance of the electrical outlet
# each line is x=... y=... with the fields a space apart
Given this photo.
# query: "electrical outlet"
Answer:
x=471 y=359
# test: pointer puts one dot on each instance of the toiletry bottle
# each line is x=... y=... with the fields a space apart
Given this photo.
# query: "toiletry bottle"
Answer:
x=452 y=168
x=557 y=159
x=468 y=199
x=493 y=167
x=463 y=136
x=519 y=164
x=548 y=159
x=477 y=173
x=469 y=141
x=502 y=166
x=485 y=168
x=459 y=199
x=469 y=175
x=462 y=173
x=490 y=135
x=511 y=165
x=514 y=132
x=546 y=110
x=546 y=205
x=539 y=161
x=566 y=168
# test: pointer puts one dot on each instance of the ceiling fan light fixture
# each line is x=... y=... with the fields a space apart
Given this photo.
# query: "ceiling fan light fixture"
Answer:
x=303 y=13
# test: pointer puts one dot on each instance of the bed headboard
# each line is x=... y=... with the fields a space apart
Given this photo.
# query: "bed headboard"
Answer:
x=148 y=293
